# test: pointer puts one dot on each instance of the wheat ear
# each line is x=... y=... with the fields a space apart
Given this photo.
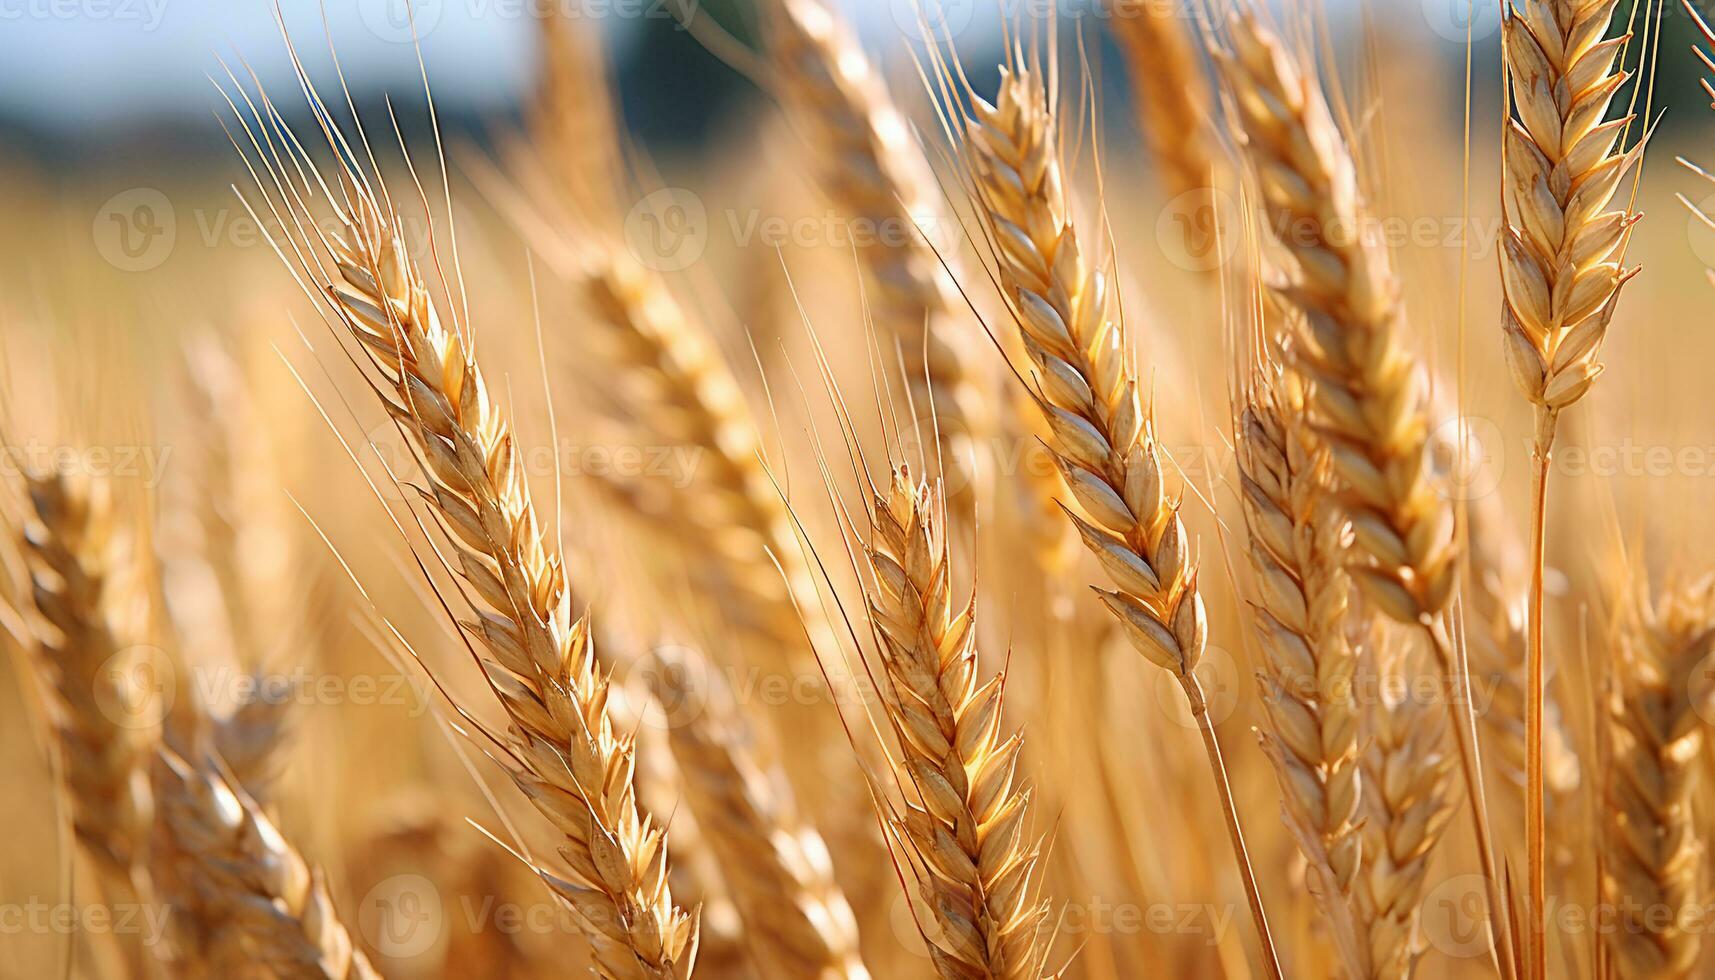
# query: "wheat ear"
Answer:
x=965 y=819
x=1561 y=272
x=1409 y=799
x=1296 y=544
x=1169 y=89
x=1102 y=437
x=245 y=900
x=687 y=394
x=870 y=166
x=1653 y=844
x=107 y=724
x=561 y=747
x=796 y=920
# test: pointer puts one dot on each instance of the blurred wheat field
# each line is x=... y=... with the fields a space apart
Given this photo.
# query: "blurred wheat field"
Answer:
x=1121 y=489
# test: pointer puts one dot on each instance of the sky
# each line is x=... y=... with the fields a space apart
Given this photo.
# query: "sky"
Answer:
x=75 y=66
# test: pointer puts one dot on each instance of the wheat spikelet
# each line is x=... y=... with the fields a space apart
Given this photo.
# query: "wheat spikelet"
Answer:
x=561 y=747
x=1169 y=89
x=1563 y=162
x=1102 y=437
x=106 y=718
x=796 y=920
x=1409 y=798
x=1364 y=390
x=975 y=858
x=245 y=902
x=1653 y=844
x=1296 y=543
x=871 y=167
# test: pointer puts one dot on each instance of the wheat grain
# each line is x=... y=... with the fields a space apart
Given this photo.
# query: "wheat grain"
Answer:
x=796 y=919
x=1652 y=869
x=966 y=820
x=107 y=718
x=1308 y=681
x=245 y=903
x=1409 y=799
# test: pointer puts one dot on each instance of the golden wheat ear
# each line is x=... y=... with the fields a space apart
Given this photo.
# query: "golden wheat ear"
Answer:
x=1653 y=846
x=244 y=900
x=560 y=744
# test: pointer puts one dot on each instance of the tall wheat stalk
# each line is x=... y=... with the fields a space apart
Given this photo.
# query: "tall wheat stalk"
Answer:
x=1562 y=270
x=1170 y=92
x=1102 y=436
x=560 y=746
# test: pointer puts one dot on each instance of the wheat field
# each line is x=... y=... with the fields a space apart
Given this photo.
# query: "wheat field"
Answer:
x=1105 y=489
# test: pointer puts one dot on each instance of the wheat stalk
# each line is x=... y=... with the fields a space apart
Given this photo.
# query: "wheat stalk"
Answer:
x=1102 y=436
x=1653 y=846
x=561 y=747
x=965 y=820
x=106 y=717
x=871 y=167
x=246 y=902
x=1561 y=269
x=1169 y=89
x=1296 y=544
x=796 y=919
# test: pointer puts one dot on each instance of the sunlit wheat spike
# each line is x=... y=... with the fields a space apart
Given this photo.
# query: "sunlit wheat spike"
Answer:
x=1309 y=674
x=90 y=619
x=1565 y=159
x=1409 y=798
x=796 y=919
x=561 y=747
x=870 y=165
x=965 y=820
x=1365 y=388
x=243 y=900
x=1653 y=843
